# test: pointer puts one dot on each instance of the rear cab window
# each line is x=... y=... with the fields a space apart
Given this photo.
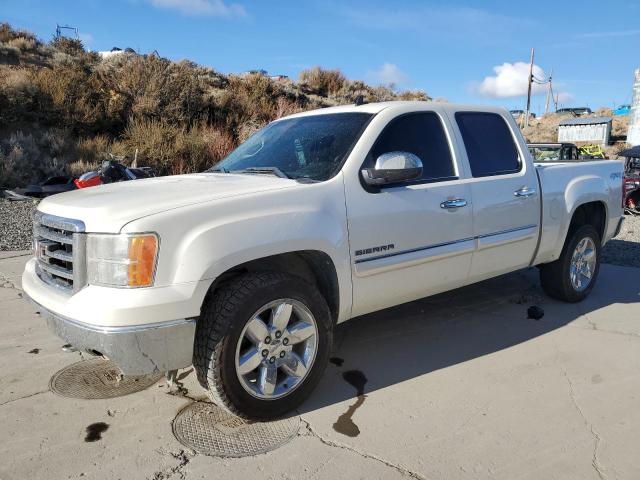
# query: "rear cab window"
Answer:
x=490 y=146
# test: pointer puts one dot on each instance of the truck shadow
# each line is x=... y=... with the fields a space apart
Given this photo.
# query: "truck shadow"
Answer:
x=415 y=339
x=622 y=252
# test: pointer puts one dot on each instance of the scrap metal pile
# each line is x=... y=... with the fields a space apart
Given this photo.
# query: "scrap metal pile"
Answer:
x=110 y=171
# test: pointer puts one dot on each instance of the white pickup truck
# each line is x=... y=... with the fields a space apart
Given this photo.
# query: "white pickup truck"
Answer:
x=244 y=270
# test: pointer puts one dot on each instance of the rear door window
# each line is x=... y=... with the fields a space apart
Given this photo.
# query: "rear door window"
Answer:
x=490 y=146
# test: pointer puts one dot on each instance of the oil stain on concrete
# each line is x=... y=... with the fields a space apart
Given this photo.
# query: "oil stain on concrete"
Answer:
x=95 y=431
x=345 y=424
x=337 y=361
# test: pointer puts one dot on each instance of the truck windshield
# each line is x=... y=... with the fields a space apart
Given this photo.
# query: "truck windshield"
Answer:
x=312 y=147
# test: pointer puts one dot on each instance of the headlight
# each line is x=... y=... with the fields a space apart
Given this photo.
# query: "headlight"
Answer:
x=127 y=260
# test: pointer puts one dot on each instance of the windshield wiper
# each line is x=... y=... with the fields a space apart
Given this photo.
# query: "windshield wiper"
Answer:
x=218 y=169
x=269 y=170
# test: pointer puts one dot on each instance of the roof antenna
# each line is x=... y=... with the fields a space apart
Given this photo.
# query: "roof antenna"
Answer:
x=359 y=100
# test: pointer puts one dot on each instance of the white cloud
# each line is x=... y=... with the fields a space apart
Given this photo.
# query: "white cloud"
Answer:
x=511 y=80
x=388 y=74
x=213 y=8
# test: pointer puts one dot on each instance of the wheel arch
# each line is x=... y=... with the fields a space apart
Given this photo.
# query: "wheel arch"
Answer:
x=592 y=213
x=314 y=266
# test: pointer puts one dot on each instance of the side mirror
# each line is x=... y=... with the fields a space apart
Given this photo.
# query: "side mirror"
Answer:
x=393 y=167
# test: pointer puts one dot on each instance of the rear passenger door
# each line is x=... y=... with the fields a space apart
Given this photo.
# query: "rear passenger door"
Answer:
x=504 y=188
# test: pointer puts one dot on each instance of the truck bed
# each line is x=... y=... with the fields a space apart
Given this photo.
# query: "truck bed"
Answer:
x=564 y=186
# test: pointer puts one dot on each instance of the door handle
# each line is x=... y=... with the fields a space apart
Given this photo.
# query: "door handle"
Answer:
x=525 y=192
x=455 y=203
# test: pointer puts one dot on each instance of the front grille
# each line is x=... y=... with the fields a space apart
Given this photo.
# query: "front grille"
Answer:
x=59 y=248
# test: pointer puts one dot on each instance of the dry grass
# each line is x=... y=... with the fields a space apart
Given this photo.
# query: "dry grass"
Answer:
x=322 y=82
x=179 y=116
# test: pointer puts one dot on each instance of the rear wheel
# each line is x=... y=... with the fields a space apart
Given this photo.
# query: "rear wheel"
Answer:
x=262 y=344
x=573 y=275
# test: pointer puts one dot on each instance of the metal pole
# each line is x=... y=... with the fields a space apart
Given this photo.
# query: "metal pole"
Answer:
x=526 y=117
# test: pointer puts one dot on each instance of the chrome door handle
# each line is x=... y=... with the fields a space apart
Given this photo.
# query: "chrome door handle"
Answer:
x=455 y=203
x=525 y=192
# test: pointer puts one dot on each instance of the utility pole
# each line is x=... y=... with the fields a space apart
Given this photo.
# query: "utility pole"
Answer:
x=549 y=93
x=526 y=115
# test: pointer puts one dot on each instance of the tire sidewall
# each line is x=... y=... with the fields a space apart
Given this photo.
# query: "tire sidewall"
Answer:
x=584 y=231
x=286 y=287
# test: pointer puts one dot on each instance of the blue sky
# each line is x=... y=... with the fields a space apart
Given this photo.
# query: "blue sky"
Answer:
x=461 y=51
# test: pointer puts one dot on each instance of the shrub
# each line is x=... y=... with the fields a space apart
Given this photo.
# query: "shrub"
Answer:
x=9 y=54
x=219 y=143
x=172 y=150
x=322 y=82
x=7 y=34
x=92 y=150
x=285 y=107
x=70 y=46
x=252 y=100
x=79 y=167
x=23 y=44
x=417 y=95
x=154 y=139
x=19 y=96
x=28 y=158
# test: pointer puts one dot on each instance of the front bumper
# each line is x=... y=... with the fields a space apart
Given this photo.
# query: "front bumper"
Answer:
x=136 y=349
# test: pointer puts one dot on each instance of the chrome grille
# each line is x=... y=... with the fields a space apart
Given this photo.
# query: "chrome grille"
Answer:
x=59 y=248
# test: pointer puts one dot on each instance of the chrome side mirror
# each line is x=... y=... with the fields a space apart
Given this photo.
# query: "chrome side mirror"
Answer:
x=393 y=167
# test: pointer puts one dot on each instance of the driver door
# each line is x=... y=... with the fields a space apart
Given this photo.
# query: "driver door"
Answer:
x=412 y=239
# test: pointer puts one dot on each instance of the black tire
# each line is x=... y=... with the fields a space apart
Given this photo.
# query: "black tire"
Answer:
x=555 y=276
x=224 y=316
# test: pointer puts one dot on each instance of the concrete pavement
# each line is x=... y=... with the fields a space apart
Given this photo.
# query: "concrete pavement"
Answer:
x=458 y=386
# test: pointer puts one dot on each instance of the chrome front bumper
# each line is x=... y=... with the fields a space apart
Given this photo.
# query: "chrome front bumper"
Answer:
x=137 y=349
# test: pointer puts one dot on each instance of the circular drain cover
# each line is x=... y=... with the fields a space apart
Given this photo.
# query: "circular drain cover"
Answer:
x=97 y=378
x=210 y=430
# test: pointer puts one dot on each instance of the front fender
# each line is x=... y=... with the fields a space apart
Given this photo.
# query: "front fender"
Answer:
x=200 y=242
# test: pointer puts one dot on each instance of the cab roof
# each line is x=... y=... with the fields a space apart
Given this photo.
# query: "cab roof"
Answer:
x=397 y=104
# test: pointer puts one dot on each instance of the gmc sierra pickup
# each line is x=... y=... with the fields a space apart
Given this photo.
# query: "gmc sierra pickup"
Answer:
x=244 y=270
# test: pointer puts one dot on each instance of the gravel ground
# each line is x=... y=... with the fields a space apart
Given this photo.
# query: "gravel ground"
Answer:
x=15 y=224
x=624 y=250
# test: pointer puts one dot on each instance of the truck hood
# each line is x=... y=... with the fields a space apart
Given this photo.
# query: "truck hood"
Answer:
x=107 y=208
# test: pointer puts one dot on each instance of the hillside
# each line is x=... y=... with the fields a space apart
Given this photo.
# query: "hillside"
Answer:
x=63 y=109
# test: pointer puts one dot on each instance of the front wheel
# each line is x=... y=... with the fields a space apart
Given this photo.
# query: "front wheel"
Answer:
x=572 y=277
x=262 y=344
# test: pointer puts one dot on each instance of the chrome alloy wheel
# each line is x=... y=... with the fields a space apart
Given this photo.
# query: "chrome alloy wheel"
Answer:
x=276 y=349
x=583 y=264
